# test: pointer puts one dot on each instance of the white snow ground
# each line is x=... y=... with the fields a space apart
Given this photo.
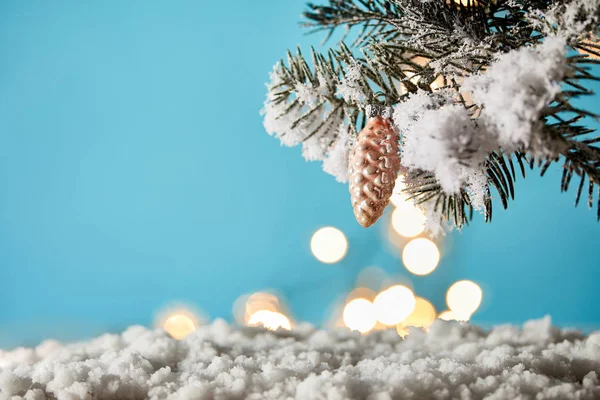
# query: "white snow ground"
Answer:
x=219 y=361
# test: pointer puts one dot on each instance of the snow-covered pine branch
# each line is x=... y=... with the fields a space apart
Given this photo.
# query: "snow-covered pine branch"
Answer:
x=476 y=90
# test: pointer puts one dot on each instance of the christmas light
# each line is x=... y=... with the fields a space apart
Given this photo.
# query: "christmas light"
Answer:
x=361 y=293
x=464 y=297
x=359 y=315
x=179 y=326
x=420 y=256
x=394 y=304
x=329 y=245
x=398 y=197
x=261 y=301
x=408 y=220
x=449 y=315
x=271 y=320
x=422 y=316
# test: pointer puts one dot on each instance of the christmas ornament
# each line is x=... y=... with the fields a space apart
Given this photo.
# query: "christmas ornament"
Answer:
x=373 y=168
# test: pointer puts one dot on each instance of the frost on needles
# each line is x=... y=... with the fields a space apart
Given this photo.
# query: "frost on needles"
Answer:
x=479 y=92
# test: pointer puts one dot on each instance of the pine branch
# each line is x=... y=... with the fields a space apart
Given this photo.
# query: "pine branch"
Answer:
x=412 y=48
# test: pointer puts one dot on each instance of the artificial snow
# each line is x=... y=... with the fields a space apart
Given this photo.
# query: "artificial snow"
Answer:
x=349 y=87
x=336 y=163
x=443 y=137
x=301 y=114
x=514 y=91
x=219 y=361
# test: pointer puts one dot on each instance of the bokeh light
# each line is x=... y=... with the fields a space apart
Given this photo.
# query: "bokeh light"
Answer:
x=421 y=256
x=329 y=245
x=271 y=320
x=361 y=293
x=179 y=326
x=394 y=304
x=359 y=315
x=449 y=315
x=398 y=197
x=464 y=297
x=408 y=220
x=178 y=321
x=422 y=316
x=261 y=301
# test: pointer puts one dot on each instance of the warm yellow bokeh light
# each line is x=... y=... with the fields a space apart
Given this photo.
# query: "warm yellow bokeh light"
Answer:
x=464 y=297
x=359 y=315
x=422 y=316
x=398 y=197
x=394 y=304
x=261 y=301
x=449 y=315
x=271 y=320
x=329 y=245
x=179 y=325
x=420 y=256
x=361 y=293
x=408 y=220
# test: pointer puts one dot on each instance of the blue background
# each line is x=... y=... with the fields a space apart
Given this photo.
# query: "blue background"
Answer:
x=135 y=171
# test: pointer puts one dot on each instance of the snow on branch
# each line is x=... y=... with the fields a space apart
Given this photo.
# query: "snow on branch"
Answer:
x=514 y=91
x=476 y=88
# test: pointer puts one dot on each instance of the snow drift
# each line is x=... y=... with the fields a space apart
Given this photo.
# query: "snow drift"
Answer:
x=219 y=361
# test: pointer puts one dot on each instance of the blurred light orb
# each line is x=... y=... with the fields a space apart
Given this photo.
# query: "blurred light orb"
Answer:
x=464 y=297
x=179 y=326
x=421 y=256
x=361 y=293
x=398 y=197
x=359 y=315
x=394 y=304
x=270 y=320
x=450 y=315
x=329 y=245
x=408 y=220
x=422 y=316
x=261 y=301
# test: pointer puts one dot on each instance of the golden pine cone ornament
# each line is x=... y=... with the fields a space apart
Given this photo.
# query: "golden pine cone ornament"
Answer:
x=373 y=167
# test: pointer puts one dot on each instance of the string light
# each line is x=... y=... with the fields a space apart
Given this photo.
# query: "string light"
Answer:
x=329 y=245
x=464 y=297
x=394 y=304
x=270 y=320
x=359 y=315
x=421 y=256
